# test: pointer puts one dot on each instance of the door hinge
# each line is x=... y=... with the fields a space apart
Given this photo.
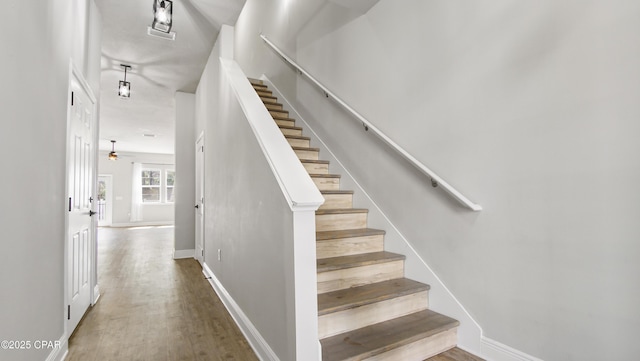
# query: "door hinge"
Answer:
x=69 y=204
x=202 y=148
x=202 y=251
x=68 y=312
x=72 y=98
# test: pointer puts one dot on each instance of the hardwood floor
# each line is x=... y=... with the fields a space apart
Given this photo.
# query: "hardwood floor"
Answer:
x=153 y=307
x=455 y=354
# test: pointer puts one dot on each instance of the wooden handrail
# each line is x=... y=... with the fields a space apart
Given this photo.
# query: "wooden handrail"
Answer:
x=435 y=179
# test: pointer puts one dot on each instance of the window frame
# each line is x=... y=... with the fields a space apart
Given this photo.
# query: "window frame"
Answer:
x=159 y=185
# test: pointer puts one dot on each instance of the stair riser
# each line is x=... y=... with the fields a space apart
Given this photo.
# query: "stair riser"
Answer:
x=337 y=201
x=334 y=222
x=268 y=100
x=295 y=142
x=359 y=276
x=279 y=113
x=264 y=93
x=274 y=106
x=286 y=123
x=327 y=184
x=307 y=154
x=316 y=168
x=351 y=319
x=260 y=88
x=419 y=350
x=349 y=246
x=287 y=131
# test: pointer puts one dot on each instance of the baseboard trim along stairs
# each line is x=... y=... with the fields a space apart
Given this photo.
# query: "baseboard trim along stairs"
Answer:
x=367 y=309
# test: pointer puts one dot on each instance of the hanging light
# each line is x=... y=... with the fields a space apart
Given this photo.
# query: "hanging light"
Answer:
x=124 y=87
x=113 y=155
x=162 y=15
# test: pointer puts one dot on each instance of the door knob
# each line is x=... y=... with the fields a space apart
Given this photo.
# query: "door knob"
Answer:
x=91 y=213
x=197 y=206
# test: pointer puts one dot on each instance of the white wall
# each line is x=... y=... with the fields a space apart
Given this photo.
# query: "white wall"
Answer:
x=530 y=109
x=184 y=238
x=121 y=169
x=40 y=39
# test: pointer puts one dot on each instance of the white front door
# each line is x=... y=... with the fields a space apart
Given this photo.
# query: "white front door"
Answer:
x=80 y=183
x=200 y=199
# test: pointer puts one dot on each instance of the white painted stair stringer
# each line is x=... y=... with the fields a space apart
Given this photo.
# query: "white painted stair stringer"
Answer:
x=441 y=299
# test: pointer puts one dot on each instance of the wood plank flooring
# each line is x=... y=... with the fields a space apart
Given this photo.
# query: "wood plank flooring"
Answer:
x=455 y=354
x=153 y=307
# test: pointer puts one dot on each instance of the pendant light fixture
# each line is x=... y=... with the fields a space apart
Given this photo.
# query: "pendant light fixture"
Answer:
x=124 y=87
x=113 y=155
x=162 y=15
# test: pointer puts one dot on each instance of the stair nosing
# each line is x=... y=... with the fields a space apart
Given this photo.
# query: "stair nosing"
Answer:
x=314 y=161
x=349 y=233
x=340 y=301
x=297 y=137
x=288 y=127
x=322 y=175
x=336 y=192
x=358 y=260
x=307 y=148
x=341 y=211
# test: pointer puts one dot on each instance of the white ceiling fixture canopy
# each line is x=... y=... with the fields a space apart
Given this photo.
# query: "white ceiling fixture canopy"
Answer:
x=159 y=67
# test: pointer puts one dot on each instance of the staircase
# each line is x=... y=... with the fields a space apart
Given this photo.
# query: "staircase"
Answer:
x=367 y=310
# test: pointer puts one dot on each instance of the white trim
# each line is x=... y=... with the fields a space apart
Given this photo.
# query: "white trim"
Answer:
x=96 y=295
x=59 y=354
x=294 y=181
x=183 y=253
x=141 y=224
x=495 y=351
x=255 y=339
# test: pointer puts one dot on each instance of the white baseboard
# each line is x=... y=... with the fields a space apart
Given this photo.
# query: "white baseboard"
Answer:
x=59 y=353
x=255 y=339
x=141 y=224
x=184 y=253
x=96 y=294
x=495 y=351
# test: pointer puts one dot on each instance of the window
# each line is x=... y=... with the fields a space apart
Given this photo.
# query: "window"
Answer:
x=170 y=182
x=150 y=185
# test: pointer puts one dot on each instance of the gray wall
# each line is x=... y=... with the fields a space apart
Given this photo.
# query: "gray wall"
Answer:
x=37 y=44
x=247 y=217
x=185 y=172
x=530 y=109
x=121 y=169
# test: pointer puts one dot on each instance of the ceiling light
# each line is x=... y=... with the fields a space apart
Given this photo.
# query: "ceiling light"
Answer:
x=162 y=15
x=113 y=155
x=124 y=87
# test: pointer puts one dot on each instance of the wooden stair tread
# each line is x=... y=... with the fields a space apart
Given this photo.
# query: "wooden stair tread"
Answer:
x=280 y=117
x=335 y=191
x=315 y=161
x=364 y=295
x=357 y=260
x=288 y=127
x=268 y=97
x=341 y=211
x=348 y=233
x=384 y=336
x=255 y=81
x=306 y=148
x=260 y=87
x=297 y=137
x=320 y=175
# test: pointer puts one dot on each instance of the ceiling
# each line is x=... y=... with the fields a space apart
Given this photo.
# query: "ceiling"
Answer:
x=159 y=68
